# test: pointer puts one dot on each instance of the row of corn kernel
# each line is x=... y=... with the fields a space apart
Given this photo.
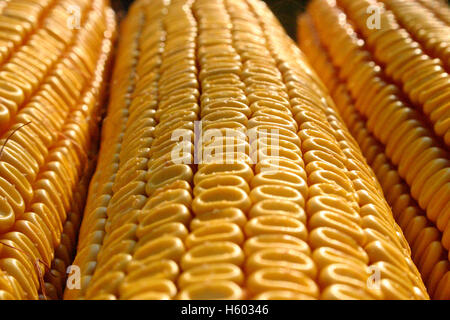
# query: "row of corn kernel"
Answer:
x=275 y=47
x=128 y=186
x=163 y=219
x=422 y=78
x=18 y=19
x=3 y=5
x=423 y=164
x=349 y=113
x=35 y=132
x=55 y=278
x=91 y=108
x=352 y=118
x=320 y=171
x=439 y=8
x=126 y=183
x=422 y=236
x=70 y=147
x=428 y=252
x=93 y=227
x=53 y=162
x=25 y=69
x=434 y=161
x=211 y=265
x=7 y=291
x=425 y=28
x=376 y=226
x=317 y=132
x=404 y=210
x=278 y=261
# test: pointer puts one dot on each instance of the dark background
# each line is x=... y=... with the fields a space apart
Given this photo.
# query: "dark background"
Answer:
x=285 y=10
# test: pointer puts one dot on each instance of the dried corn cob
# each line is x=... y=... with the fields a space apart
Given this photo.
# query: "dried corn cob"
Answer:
x=424 y=164
x=267 y=197
x=52 y=79
x=422 y=235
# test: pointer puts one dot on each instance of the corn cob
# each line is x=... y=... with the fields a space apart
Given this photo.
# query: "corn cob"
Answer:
x=282 y=207
x=423 y=237
x=52 y=79
x=366 y=115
